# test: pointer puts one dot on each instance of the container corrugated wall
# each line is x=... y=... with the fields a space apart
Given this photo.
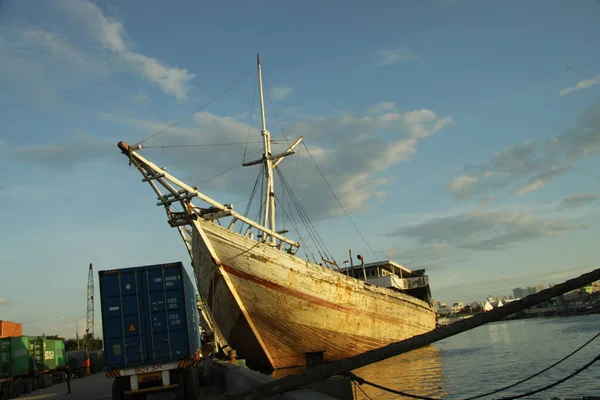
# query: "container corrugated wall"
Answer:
x=10 y=329
x=17 y=355
x=149 y=315
x=53 y=354
x=14 y=356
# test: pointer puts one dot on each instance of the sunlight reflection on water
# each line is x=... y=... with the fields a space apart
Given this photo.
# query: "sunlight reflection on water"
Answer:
x=493 y=356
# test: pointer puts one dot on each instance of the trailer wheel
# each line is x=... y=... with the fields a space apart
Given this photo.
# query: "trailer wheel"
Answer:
x=14 y=389
x=22 y=386
x=191 y=383
x=8 y=390
x=27 y=386
x=118 y=388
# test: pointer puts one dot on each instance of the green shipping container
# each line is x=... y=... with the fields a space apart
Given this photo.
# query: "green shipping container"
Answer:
x=53 y=354
x=16 y=354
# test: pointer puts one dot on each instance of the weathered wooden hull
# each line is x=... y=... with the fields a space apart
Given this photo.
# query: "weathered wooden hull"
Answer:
x=273 y=307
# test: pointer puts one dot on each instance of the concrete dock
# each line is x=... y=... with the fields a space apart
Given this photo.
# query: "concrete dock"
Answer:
x=219 y=378
x=93 y=387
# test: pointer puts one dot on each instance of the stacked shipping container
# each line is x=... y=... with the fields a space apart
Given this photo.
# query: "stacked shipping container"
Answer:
x=20 y=355
x=10 y=329
x=16 y=354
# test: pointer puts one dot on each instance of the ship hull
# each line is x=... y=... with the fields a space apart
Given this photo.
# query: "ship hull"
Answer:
x=273 y=307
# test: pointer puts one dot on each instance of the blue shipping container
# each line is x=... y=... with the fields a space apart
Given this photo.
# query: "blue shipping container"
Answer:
x=149 y=315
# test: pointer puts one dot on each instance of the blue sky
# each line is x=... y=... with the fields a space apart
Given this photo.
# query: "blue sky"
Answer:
x=461 y=136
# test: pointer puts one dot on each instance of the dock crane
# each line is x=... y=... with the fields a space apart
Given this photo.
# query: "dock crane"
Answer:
x=89 y=330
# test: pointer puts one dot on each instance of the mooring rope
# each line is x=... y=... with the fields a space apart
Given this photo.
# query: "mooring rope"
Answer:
x=360 y=381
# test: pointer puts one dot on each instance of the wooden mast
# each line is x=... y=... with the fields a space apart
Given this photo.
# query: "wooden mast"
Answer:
x=270 y=161
x=269 y=218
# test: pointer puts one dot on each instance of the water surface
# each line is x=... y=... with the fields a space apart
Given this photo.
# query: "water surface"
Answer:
x=492 y=356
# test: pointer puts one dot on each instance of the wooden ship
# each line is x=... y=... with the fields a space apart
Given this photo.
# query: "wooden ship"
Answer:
x=276 y=309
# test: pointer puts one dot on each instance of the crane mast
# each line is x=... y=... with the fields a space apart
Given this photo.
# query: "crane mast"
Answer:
x=89 y=330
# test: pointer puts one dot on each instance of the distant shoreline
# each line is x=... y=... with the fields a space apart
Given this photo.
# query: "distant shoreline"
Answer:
x=527 y=314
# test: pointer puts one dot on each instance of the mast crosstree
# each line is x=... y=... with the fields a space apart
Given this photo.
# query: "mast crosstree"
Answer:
x=269 y=160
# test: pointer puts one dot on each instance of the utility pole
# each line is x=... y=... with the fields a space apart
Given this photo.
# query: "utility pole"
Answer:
x=76 y=320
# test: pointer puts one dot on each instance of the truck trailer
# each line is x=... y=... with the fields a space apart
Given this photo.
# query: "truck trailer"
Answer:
x=79 y=362
x=151 y=330
x=28 y=363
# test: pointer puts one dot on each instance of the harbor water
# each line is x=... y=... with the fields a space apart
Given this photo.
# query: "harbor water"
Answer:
x=492 y=356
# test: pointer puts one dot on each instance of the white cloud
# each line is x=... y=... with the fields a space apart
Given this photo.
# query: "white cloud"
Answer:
x=382 y=107
x=280 y=93
x=578 y=200
x=391 y=57
x=462 y=186
x=111 y=33
x=141 y=98
x=581 y=85
x=485 y=230
x=354 y=151
x=3 y=300
x=40 y=64
x=538 y=162
x=437 y=255
x=65 y=156
x=540 y=180
x=87 y=46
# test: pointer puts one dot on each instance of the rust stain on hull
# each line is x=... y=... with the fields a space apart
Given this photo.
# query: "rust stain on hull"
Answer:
x=273 y=312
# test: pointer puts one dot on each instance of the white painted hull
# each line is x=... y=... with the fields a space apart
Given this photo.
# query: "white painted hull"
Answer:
x=273 y=307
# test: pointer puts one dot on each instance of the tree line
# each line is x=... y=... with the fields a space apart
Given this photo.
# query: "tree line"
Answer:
x=90 y=344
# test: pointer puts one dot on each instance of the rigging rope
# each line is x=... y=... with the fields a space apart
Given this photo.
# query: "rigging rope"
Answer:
x=300 y=238
x=200 y=145
x=566 y=378
x=227 y=170
x=249 y=205
x=275 y=112
x=322 y=175
x=537 y=373
x=356 y=385
x=250 y=120
x=578 y=371
x=199 y=108
x=339 y=202
x=321 y=246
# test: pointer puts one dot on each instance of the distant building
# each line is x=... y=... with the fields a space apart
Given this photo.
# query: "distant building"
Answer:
x=519 y=293
x=539 y=288
x=476 y=305
x=442 y=308
x=456 y=307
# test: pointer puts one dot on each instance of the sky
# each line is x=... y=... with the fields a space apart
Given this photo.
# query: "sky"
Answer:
x=459 y=136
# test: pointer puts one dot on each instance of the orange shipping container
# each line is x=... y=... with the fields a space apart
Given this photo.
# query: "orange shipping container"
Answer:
x=10 y=329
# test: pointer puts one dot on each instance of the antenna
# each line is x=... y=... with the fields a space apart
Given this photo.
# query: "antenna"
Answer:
x=89 y=330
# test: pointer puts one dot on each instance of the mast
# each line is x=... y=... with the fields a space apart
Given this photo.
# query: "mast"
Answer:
x=269 y=218
x=270 y=161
